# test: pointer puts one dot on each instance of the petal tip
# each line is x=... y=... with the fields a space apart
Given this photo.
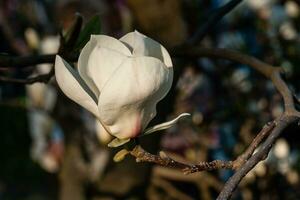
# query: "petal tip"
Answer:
x=58 y=58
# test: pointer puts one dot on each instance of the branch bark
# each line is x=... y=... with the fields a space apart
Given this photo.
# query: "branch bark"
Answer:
x=162 y=159
x=245 y=162
x=262 y=154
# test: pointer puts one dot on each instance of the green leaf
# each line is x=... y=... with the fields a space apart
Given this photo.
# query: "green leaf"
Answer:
x=93 y=26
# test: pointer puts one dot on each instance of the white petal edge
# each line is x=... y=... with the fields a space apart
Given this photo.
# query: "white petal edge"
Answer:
x=69 y=82
x=102 y=64
x=102 y=133
x=165 y=125
x=142 y=45
x=103 y=41
x=82 y=66
x=139 y=82
x=111 y=43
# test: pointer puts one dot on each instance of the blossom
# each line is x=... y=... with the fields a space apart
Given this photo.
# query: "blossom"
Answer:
x=120 y=82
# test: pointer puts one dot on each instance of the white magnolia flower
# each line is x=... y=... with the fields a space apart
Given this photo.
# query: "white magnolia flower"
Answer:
x=120 y=82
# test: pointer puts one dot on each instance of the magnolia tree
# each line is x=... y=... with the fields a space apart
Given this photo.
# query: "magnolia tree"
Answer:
x=120 y=81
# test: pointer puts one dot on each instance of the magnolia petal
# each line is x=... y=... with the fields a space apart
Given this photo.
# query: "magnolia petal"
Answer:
x=102 y=134
x=111 y=43
x=165 y=125
x=103 y=62
x=118 y=142
x=74 y=87
x=142 y=45
x=82 y=66
x=128 y=100
x=84 y=57
x=121 y=155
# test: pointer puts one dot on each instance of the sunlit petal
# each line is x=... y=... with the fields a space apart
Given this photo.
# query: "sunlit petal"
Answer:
x=84 y=57
x=165 y=125
x=128 y=100
x=142 y=45
x=74 y=87
x=102 y=64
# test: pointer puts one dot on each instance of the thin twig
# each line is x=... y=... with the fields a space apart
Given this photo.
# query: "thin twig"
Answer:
x=244 y=163
x=254 y=144
x=42 y=78
x=64 y=50
x=143 y=156
x=290 y=114
x=25 y=61
x=265 y=69
x=233 y=182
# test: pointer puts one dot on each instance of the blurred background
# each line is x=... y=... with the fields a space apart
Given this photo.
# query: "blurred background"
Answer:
x=51 y=148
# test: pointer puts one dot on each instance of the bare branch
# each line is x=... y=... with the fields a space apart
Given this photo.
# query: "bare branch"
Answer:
x=245 y=162
x=265 y=69
x=42 y=78
x=24 y=61
x=233 y=182
x=143 y=156
x=266 y=130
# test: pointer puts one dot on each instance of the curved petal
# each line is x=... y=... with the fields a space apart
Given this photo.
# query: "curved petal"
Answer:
x=69 y=82
x=165 y=125
x=102 y=41
x=103 y=136
x=82 y=66
x=103 y=62
x=142 y=45
x=128 y=100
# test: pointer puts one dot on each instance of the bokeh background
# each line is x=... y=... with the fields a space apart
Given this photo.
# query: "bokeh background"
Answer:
x=51 y=148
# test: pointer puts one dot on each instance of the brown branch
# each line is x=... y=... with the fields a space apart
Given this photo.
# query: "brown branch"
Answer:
x=233 y=182
x=25 y=61
x=269 y=71
x=42 y=78
x=143 y=156
x=246 y=161
x=242 y=159
x=290 y=115
x=226 y=54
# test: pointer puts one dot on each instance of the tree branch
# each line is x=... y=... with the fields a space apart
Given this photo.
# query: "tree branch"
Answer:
x=143 y=156
x=42 y=78
x=269 y=71
x=245 y=162
x=290 y=114
x=233 y=182
x=25 y=61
